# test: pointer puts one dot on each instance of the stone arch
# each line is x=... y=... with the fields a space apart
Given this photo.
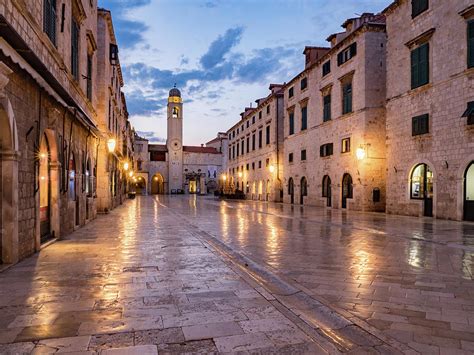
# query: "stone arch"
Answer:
x=9 y=156
x=461 y=186
x=157 y=184
x=428 y=207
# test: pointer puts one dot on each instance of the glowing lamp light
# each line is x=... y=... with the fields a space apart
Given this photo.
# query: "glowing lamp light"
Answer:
x=240 y=174
x=125 y=166
x=43 y=155
x=111 y=145
x=224 y=177
x=271 y=168
x=130 y=173
x=360 y=153
x=42 y=178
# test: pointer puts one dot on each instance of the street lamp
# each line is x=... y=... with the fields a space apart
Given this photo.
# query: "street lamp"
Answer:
x=360 y=153
x=240 y=174
x=224 y=177
x=111 y=145
x=271 y=168
x=130 y=173
x=125 y=166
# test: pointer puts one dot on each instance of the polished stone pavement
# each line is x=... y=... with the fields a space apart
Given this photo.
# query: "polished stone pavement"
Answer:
x=147 y=278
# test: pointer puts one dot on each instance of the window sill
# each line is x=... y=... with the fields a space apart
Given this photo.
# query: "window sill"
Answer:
x=421 y=88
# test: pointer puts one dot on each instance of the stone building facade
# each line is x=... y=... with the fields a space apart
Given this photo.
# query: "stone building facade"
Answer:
x=430 y=108
x=334 y=130
x=174 y=168
x=48 y=122
x=255 y=150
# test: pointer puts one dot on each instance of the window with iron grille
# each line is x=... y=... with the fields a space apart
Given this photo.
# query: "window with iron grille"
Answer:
x=292 y=123
x=420 y=66
x=89 y=77
x=418 y=6
x=327 y=108
x=303 y=154
x=326 y=150
x=347 y=98
x=326 y=68
x=420 y=125
x=347 y=54
x=304 y=83
x=49 y=19
x=75 y=49
x=304 y=118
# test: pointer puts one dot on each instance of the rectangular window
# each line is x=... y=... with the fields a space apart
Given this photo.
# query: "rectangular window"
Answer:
x=347 y=54
x=303 y=155
x=327 y=108
x=75 y=49
x=304 y=83
x=89 y=77
x=326 y=150
x=326 y=68
x=233 y=152
x=346 y=145
x=267 y=135
x=49 y=19
x=420 y=125
x=290 y=158
x=268 y=109
x=253 y=165
x=253 y=119
x=113 y=53
x=238 y=131
x=260 y=138
x=290 y=92
x=259 y=164
x=304 y=118
x=253 y=141
x=248 y=124
x=248 y=144
x=230 y=153
x=420 y=66
x=470 y=44
x=418 y=6
x=347 y=98
x=247 y=167
x=469 y=113
x=242 y=146
x=292 y=123
x=267 y=162
x=238 y=150
x=260 y=115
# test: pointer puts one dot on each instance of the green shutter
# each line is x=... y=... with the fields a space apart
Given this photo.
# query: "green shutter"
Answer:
x=424 y=66
x=470 y=44
x=414 y=68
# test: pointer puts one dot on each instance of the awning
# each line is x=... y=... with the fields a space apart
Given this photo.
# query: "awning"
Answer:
x=470 y=110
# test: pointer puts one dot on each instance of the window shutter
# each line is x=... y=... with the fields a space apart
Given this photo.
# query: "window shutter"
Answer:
x=321 y=151
x=349 y=98
x=423 y=67
x=330 y=148
x=415 y=6
x=353 y=49
x=470 y=43
x=414 y=68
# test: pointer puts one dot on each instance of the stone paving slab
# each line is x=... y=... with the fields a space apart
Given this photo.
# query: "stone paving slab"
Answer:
x=136 y=282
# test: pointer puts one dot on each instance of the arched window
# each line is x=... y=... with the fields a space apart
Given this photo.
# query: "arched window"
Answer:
x=347 y=186
x=326 y=186
x=304 y=186
x=291 y=187
x=175 y=112
x=469 y=193
x=421 y=182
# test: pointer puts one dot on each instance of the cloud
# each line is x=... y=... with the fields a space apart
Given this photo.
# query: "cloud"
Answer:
x=210 y=4
x=183 y=60
x=140 y=104
x=151 y=136
x=220 y=47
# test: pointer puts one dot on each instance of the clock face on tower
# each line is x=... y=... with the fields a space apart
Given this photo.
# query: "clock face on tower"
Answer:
x=175 y=144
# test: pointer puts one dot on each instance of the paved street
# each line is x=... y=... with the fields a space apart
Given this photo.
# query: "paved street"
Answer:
x=173 y=274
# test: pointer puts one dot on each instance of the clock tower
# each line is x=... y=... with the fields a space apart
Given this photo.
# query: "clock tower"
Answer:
x=174 y=141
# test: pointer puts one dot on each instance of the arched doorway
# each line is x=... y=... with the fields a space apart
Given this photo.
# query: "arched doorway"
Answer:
x=346 y=189
x=157 y=185
x=140 y=186
x=303 y=189
x=327 y=190
x=291 y=190
x=421 y=187
x=469 y=193
x=44 y=156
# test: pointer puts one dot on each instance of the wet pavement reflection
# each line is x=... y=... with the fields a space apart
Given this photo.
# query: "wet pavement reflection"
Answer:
x=409 y=277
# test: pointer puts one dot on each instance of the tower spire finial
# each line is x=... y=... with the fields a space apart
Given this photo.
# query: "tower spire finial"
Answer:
x=174 y=84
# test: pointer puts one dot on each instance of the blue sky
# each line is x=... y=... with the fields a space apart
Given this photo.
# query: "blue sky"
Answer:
x=222 y=54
